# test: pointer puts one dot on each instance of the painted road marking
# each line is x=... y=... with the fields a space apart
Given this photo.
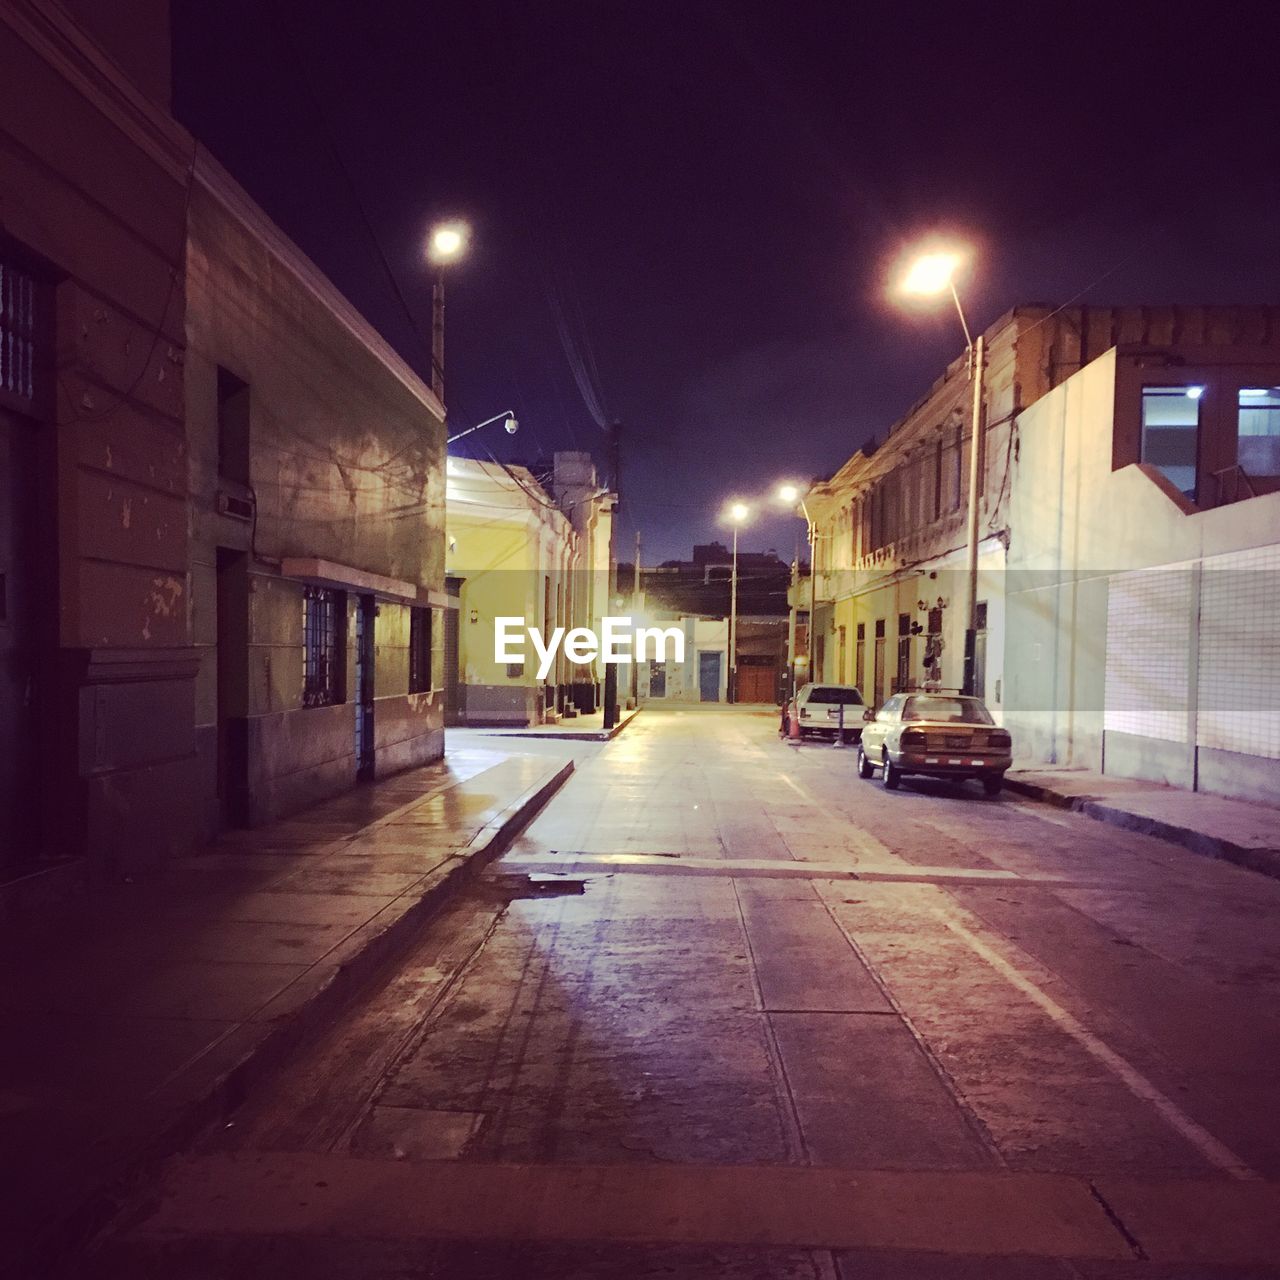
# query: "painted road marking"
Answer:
x=1217 y=1153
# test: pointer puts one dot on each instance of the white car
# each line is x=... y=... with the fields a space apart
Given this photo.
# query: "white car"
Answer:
x=817 y=709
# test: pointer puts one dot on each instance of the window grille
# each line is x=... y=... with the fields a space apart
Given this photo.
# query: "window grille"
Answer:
x=419 y=650
x=321 y=652
x=17 y=335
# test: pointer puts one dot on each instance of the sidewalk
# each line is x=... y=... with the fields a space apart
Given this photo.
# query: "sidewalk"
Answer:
x=136 y=1014
x=1237 y=831
x=579 y=729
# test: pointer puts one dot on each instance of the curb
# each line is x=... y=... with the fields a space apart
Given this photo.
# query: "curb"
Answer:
x=187 y=1118
x=570 y=735
x=1263 y=861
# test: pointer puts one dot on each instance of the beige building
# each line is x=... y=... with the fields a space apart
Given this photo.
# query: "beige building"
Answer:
x=517 y=549
x=1116 y=442
x=317 y=545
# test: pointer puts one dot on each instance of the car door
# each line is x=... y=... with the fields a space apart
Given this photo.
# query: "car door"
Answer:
x=873 y=735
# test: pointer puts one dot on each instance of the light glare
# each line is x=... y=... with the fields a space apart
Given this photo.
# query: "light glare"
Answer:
x=448 y=242
x=931 y=274
x=788 y=493
x=739 y=511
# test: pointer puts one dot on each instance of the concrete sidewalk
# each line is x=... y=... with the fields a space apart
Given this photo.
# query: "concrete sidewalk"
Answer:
x=579 y=729
x=1237 y=831
x=137 y=1014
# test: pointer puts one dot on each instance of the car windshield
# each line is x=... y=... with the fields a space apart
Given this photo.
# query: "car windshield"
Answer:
x=835 y=693
x=947 y=710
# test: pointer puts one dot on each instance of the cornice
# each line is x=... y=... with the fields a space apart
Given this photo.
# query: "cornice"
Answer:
x=241 y=206
x=55 y=35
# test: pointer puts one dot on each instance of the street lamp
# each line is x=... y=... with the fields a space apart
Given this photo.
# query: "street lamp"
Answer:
x=509 y=422
x=447 y=243
x=738 y=513
x=792 y=495
x=928 y=276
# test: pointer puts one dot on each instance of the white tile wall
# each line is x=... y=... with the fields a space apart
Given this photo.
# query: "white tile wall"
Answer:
x=1238 y=703
x=1148 y=643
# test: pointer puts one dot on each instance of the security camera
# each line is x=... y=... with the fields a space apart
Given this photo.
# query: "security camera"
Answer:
x=511 y=425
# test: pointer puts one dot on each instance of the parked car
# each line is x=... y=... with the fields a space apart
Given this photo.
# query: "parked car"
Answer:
x=940 y=735
x=817 y=709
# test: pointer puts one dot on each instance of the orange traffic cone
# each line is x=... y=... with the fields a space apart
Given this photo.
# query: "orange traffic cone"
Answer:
x=793 y=727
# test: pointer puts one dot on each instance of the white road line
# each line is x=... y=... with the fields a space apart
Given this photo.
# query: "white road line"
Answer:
x=1216 y=1152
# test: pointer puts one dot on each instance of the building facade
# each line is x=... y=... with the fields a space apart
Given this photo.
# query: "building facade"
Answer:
x=221 y=494
x=517 y=549
x=1115 y=441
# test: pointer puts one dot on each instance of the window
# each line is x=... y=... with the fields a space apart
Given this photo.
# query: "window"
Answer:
x=322 y=611
x=1171 y=434
x=233 y=428
x=419 y=650
x=903 y=677
x=860 y=657
x=879 y=661
x=836 y=694
x=1258 y=431
x=17 y=337
x=946 y=710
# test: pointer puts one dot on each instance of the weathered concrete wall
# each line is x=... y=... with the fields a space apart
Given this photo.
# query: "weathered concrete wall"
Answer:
x=1080 y=526
x=92 y=188
x=346 y=458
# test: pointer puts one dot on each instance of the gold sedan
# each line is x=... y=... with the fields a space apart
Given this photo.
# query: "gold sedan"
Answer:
x=940 y=735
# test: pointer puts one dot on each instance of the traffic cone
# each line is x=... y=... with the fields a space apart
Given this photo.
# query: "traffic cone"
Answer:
x=793 y=727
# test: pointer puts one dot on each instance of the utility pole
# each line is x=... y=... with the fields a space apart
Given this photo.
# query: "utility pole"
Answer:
x=733 y=622
x=635 y=604
x=611 y=668
x=971 y=547
x=437 y=336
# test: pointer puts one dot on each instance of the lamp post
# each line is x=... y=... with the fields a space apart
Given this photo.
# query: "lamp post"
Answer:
x=791 y=494
x=446 y=244
x=932 y=274
x=738 y=512
x=509 y=422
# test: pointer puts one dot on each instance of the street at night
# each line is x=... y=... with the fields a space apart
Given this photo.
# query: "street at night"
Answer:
x=733 y=961
x=638 y=640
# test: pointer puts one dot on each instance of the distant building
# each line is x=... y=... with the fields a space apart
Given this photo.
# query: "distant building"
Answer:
x=1116 y=441
x=517 y=549
x=696 y=593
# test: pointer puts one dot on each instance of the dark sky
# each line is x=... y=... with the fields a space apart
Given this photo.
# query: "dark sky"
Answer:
x=712 y=195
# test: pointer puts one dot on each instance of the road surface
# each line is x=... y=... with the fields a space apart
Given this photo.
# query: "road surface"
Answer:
x=726 y=1010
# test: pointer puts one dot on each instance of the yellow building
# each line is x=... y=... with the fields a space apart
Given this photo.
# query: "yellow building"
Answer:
x=517 y=549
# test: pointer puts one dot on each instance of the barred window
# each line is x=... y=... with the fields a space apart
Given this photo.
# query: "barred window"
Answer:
x=419 y=650
x=322 y=653
x=17 y=336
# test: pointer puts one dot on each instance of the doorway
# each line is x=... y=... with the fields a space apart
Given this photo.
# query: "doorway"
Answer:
x=709 y=663
x=366 y=613
x=18 y=626
x=232 y=673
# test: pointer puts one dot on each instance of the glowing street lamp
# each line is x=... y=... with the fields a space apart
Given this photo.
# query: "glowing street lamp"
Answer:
x=929 y=275
x=739 y=513
x=447 y=243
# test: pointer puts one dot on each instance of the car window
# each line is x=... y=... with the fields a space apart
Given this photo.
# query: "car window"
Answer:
x=946 y=710
x=837 y=694
x=889 y=711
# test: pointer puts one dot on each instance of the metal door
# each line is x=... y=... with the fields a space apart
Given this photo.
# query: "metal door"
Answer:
x=365 y=615
x=657 y=679
x=709 y=675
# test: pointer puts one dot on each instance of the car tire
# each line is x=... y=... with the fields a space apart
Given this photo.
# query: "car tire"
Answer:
x=865 y=767
x=992 y=785
x=892 y=774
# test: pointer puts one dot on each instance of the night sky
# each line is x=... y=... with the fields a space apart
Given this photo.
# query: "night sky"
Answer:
x=708 y=199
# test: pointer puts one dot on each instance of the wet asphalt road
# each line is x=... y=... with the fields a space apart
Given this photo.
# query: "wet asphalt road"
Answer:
x=715 y=951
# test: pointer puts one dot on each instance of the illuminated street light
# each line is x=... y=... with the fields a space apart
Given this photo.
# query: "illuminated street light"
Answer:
x=447 y=243
x=929 y=275
x=788 y=493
